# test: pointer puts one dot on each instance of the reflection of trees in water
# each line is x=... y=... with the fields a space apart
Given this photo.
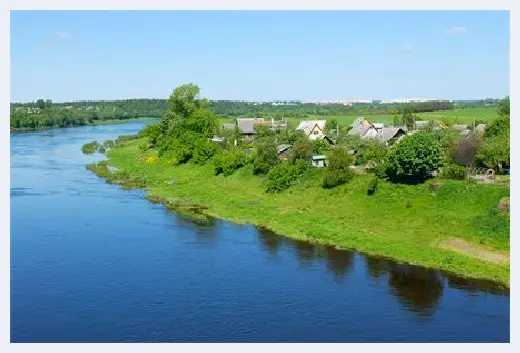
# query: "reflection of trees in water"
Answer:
x=475 y=286
x=205 y=229
x=339 y=262
x=376 y=267
x=305 y=252
x=418 y=289
x=269 y=240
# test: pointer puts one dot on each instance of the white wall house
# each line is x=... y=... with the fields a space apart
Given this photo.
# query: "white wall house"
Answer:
x=313 y=129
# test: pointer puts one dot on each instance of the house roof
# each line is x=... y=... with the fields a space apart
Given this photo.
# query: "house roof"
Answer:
x=308 y=125
x=378 y=125
x=247 y=125
x=360 y=127
x=461 y=127
x=480 y=128
x=319 y=157
x=282 y=148
x=388 y=133
x=465 y=133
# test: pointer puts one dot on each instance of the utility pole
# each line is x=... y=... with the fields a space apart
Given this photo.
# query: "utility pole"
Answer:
x=474 y=123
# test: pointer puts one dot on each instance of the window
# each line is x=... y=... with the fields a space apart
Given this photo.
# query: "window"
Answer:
x=315 y=132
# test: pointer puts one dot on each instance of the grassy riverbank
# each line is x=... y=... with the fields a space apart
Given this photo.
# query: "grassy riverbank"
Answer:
x=458 y=229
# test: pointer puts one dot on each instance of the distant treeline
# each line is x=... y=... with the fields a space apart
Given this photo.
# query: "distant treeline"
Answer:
x=46 y=114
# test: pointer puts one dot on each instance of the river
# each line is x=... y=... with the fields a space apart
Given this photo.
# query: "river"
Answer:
x=91 y=262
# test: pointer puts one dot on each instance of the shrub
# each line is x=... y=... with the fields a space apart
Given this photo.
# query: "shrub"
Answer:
x=143 y=146
x=338 y=170
x=284 y=175
x=90 y=147
x=495 y=152
x=414 y=157
x=125 y=138
x=266 y=157
x=101 y=149
x=108 y=144
x=151 y=159
x=229 y=161
x=465 y=151
x=320 y=146
x=453 y=171
x=204 y=151
x=372 y=186
x=302 y=149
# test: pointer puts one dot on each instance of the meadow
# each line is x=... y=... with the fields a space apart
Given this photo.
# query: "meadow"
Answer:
x=457 y=229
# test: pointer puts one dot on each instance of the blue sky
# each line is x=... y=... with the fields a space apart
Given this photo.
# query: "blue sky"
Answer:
x=259 y=55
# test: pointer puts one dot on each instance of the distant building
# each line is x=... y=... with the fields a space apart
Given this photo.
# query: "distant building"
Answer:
x=363 y=128
x=283 y=151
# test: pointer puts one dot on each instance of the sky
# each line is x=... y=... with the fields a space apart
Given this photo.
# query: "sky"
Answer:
x=259 y=55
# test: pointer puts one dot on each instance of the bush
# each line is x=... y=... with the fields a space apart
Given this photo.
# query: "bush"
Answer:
x=143 y=146
x=453 y=171
x=90 y=147
x=465 y=151
x=227 y=162
x=302 y=149
x=283 y=175
x=204 y=151
x=338 y=170
x=108 y=144
x=495 y=152
x=372 y=186
x=125 y=138
x=414 y=157
x=266 y=157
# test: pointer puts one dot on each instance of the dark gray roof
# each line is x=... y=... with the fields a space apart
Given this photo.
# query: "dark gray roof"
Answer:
x=388 y=133
x=283 y=148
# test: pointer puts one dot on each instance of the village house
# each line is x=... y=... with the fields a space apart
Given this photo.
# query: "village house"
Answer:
x=272 y=124
x=313 y=129
x=284 y=151
x=246 y=127
x=463 y=130
x=391 y=135
x=363 y=128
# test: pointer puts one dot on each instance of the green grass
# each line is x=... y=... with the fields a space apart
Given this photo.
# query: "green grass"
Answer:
x=402 y=222
x=461 y=116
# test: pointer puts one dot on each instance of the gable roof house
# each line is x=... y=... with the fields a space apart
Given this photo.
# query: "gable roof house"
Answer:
x=313 y=129
x=246 y=126
x=363 y=128
x=391 y=135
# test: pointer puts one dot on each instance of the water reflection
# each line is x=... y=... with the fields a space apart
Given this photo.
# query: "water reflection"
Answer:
x=205 y=229
x=417 y=289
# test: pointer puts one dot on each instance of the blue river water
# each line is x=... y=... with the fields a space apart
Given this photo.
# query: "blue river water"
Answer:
x=91 y=262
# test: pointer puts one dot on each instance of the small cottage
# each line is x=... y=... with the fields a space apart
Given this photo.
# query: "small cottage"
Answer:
x=319 y=161
x=284 y=151
x=391 y=135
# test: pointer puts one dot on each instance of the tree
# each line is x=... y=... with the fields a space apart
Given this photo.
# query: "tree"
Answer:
x=338 y=169
x=414 y=157
x=184 y=101
x=408 y=118
x=266 y=157
x=40 y=104
x=465 y=151
x=302 y=150
x=495 y=153
x=320 y=146
x=503 y=107
x=500 y=125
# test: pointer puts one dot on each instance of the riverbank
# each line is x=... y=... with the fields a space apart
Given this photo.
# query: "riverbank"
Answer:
x=96 y=122
x=457 y=230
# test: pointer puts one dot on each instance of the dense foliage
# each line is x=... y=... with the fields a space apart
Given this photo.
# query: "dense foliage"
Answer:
x=338 y=168
x=284 y=175
x=266 y=157
x=90 y=147
x=414 y=157
x=227 y=162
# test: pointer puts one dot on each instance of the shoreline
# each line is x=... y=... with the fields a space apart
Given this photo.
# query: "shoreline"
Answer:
x=97 y=122
x=164 y=185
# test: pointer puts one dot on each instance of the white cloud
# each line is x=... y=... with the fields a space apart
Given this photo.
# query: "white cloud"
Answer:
x=63 y=34
x=454 y=31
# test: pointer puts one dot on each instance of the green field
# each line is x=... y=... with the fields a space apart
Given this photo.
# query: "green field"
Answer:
x=450 y=117
x=402 y=222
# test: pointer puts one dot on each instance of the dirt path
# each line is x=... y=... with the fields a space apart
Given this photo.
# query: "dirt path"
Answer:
x=477 y=251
